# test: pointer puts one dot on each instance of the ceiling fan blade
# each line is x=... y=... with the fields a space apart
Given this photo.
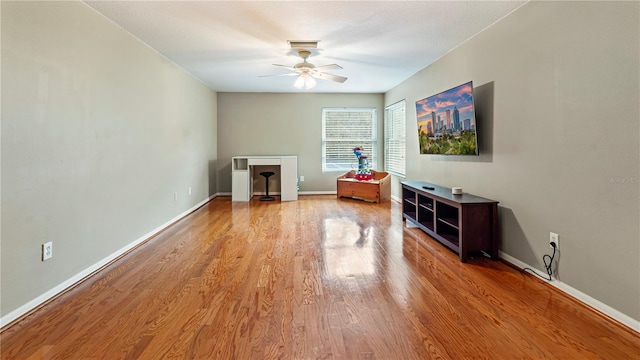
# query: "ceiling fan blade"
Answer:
x=285 y=66
x=330 y=77
x=331 y=67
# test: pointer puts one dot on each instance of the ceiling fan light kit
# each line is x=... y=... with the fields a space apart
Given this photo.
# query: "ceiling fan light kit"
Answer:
x=305 y=80
x=307 y=72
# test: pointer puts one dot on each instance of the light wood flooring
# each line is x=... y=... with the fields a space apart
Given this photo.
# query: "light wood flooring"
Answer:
x=319 y=278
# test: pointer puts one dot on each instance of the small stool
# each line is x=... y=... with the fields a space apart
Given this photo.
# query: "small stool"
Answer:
x=266 y=175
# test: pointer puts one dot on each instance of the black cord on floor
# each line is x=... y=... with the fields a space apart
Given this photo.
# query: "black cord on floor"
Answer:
x=547 y=265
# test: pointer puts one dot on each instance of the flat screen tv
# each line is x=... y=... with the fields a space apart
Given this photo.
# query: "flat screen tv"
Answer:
x=447 y=122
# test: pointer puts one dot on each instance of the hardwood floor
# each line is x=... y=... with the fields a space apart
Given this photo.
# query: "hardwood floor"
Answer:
x=319 y=278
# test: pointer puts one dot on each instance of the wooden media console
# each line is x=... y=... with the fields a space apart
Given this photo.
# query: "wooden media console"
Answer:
x=464 y=223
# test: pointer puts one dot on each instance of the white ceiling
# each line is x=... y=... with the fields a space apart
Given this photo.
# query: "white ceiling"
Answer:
x=228 y=44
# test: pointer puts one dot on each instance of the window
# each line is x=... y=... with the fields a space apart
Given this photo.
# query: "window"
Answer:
x=344 y=129
x=394 y=139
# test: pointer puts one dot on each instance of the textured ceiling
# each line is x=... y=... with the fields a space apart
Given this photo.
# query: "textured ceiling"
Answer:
x=229 y=44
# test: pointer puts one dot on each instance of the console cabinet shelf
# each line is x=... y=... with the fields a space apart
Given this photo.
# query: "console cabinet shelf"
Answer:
x=464 y=223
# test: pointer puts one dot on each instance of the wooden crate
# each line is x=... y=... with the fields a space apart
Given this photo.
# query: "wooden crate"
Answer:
x=377 y=190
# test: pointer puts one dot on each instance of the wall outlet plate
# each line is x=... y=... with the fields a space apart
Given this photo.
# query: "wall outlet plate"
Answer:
x=47 y=251
x=553 y=239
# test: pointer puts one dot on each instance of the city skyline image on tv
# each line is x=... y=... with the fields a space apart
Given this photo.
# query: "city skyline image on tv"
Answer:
x=447 y=122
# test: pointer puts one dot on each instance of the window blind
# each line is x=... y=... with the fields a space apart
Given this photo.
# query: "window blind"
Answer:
x=344 y=129
x=394 y=138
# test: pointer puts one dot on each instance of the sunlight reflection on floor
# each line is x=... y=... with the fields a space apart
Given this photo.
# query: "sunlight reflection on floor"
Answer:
x=347 y=248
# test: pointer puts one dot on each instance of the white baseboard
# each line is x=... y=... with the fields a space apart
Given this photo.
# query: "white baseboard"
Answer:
x=580 y=296
x=396 y=199
x=277 y=193
x=33 y=304
x=26 y=308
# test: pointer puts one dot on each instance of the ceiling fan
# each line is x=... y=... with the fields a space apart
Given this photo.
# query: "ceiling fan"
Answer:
x=307 y=72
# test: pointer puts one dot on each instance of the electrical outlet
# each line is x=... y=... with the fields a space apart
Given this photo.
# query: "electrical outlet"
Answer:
x=553 y=239
x=47 y=251
x=175 y=196
x=301 y=178
x=189 y=190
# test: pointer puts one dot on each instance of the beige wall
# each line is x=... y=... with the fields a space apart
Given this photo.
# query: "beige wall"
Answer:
x=283 y=124
x=556 y=89
x=98 y=132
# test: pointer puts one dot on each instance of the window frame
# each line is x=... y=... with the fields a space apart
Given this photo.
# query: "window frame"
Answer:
x=399 y=135
x=373 y=154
